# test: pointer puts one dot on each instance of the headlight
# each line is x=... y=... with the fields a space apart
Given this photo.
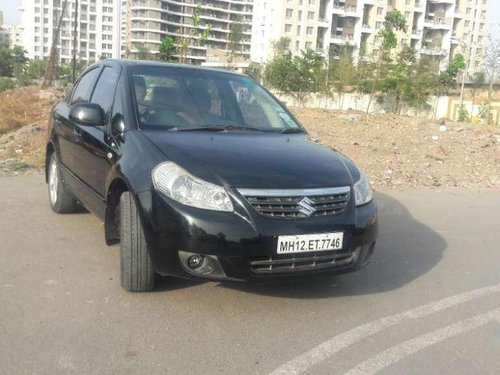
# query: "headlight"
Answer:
x=178 y=184
x=363 y=192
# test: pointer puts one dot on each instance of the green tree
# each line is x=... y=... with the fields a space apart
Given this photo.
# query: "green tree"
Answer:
x=6 y=63
x=236 y=36
x=142 y=53
x=396 y=85
x=167 y=49
x=422 y=81
x=294 y=75
x=196 y=35
x=478 y=81
x=343 y=73
x=19 y=60
x=492 y=70
x=254 y=70
x=394 y=21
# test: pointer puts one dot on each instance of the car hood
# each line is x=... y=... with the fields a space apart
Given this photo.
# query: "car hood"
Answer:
x=260 y=160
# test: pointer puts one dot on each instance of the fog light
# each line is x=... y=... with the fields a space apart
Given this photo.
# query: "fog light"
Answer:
x=195 y=261
x=201 y=264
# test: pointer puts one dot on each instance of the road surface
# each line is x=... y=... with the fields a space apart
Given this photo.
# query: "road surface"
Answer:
x=428 y=303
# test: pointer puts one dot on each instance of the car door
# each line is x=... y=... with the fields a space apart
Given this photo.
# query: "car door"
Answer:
x=65 y=129
x=94 y=144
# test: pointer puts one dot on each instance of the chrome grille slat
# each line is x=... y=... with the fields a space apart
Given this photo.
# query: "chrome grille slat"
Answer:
x=296 y=264
x=286 y=204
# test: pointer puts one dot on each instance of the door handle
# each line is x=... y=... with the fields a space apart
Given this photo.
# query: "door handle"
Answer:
x=77 y=136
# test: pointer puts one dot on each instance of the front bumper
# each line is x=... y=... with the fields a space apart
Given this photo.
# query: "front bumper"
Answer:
x=244 y=242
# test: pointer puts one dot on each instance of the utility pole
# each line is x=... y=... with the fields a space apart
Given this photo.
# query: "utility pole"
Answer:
x=49 y=72
x=75 y=39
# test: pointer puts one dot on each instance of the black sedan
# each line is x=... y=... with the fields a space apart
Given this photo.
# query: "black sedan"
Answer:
x=201 y=173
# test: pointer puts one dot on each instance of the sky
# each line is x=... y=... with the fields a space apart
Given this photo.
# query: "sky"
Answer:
x=11 y=15
x=9 y=9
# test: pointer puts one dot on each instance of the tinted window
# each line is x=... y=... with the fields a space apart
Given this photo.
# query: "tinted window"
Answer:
x=191 y=98
x=84 y=87
x=105 y=89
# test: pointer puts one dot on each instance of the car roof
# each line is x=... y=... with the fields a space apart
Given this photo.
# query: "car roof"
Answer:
x=127 y=62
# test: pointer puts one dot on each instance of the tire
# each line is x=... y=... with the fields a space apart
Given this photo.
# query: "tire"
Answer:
x=61 y=199
x=137 y=273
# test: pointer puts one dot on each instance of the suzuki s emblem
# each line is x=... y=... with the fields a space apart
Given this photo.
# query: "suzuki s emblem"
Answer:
x=306 y=207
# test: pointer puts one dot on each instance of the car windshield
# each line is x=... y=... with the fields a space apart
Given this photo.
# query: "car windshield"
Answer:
x=179 y=99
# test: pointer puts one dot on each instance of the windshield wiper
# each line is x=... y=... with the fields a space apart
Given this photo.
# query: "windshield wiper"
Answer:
x=291 y=131
x=218 y=128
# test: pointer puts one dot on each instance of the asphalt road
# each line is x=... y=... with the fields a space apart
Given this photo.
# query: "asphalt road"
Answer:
x=429 y=302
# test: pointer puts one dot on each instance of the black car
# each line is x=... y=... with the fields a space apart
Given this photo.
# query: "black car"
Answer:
x=201 y=173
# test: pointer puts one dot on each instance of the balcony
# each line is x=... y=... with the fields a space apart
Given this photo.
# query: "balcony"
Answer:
x=342 y=38
x=416 y=34
x=419 y=6
x=366 y=28
x=345 y=10
x=351 y=11
x=323 y=22
x=438 y=23
x=433 y=51
x=450 y=2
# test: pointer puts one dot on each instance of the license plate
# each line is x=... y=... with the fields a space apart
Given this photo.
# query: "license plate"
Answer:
x=310 y=242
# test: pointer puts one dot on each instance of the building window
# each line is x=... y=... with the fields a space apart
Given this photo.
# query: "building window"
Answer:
x=289 y=13
x=297 y=45
x=308 y=45
x=288 y=28
x=309 y=31
x=310 y=15
x=380 y=11
x=299 y=30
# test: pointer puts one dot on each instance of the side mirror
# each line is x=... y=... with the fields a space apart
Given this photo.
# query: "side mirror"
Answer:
x=87 y=114
x=117 y=124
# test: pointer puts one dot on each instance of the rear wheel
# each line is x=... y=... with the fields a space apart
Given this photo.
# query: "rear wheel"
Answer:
x=61 y=199
x=137 y=274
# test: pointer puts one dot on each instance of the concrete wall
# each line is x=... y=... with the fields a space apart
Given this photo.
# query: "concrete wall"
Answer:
x=442 y=107
x=359 y=102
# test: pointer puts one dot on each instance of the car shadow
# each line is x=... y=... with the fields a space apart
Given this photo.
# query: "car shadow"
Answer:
x=406 y=249
x=168 y=283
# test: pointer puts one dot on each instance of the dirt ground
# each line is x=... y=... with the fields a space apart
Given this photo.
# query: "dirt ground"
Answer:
x=396 y=152
x=403 y=152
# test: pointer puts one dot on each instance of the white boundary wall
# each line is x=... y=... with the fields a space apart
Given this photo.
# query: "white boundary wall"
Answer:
x=356 y=101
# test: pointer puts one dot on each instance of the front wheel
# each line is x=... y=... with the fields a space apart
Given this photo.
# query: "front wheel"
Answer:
x=137 y=273
x=62 y=201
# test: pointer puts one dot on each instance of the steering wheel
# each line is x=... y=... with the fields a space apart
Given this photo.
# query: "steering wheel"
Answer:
x=148 y=113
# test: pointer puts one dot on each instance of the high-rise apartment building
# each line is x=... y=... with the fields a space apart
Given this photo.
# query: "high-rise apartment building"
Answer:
x=147 y=22
x=97 y=28
x=436 y=28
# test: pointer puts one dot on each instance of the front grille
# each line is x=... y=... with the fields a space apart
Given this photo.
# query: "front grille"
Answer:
x=272 y=265
x=291 y=204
